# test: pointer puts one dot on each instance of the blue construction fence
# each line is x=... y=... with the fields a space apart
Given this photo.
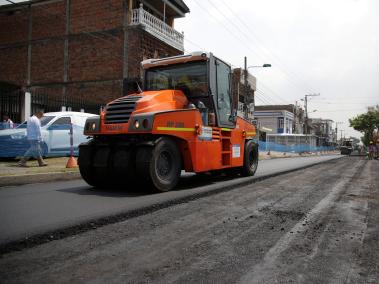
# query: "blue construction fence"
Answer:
x=293 y=148
x=55 y=140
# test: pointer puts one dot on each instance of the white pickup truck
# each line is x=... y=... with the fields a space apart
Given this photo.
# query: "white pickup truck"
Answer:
x=55 y=128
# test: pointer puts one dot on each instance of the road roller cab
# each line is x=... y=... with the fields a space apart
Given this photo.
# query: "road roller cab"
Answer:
x=184 y=119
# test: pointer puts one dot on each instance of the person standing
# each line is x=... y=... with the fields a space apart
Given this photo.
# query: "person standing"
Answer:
x=371 y=150
x=7 y=122
x=33 y=133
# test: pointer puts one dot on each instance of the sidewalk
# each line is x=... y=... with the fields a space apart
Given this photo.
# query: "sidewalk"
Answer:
x=12 y=174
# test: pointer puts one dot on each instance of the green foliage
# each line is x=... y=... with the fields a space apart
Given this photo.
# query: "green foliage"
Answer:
x=366 y=123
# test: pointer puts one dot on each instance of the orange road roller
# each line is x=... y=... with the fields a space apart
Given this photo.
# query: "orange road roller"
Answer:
x=184 y=119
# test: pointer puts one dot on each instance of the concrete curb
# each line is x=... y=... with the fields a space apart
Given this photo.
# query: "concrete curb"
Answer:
x=38 y=178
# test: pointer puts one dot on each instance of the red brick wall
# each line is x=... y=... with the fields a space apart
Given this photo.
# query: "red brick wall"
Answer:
x=96 y=93
x=134 y=52
x=142 y=45
x=49 y=20
x=97 y=58
x=88 y=16
x=14 y=26
x=47 y=62
x=91 y=95
x=13 y=65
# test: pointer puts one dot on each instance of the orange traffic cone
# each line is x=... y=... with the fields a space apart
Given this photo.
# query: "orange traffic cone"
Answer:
x=71 y=163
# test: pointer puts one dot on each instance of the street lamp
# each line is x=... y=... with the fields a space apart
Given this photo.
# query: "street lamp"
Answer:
x=260 y=66
x=306 y=111
x=246 y=109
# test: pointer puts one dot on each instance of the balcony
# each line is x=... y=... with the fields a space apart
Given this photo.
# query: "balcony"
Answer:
x=157 y=28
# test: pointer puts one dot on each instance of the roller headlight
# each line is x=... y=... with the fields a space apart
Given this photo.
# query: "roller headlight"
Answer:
x=92 y=125
x=136 y=124
x=141 y=123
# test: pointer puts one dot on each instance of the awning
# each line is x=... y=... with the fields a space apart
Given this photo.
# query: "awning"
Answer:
x=265 y=129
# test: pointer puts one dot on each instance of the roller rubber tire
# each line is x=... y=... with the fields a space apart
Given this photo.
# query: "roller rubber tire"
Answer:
x=165 y=166
x=85 y=162
x=162 y=164
x=124 y=166
x=250 y=161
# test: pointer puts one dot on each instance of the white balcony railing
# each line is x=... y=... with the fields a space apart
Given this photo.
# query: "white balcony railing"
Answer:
x=157 y=28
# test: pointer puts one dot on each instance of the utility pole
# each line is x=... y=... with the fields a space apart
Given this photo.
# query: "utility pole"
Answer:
x=246 y=91
x=306 y=114
x=339 y=122
x=294 y=130
x=248 y=101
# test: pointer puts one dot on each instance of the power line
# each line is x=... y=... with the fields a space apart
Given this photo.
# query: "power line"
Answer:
x=226 y=28
x=62 y=17
x=269 y=99
x=263 y=48
x=269 y=90
x=338 y=110
x=264 y=98
x=191 y=42
x=91 y=34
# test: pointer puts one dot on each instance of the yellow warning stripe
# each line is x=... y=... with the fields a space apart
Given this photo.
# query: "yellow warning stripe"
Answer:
x=226 y=129
x=250 y=133
x=175 y=129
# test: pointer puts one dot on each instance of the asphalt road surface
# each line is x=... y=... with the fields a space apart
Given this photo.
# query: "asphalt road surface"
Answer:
x=317 y=225
x=38 y=208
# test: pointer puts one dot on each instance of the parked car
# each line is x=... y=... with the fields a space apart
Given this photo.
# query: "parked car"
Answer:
x=55 y=128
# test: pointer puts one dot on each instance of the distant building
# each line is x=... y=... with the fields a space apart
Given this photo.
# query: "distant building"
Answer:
x=323 y=129
x=280 y=118
x=81 y=54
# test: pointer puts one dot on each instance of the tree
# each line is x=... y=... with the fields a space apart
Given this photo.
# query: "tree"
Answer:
x=366 y=123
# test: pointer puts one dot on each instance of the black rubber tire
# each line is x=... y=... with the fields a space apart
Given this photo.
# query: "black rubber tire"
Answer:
x=102 y=171
x=160 y=165
x=143 y=159
x=124 y=166
x=85 y=164
x=166 y=164
x=250 y=159
x=88 y=175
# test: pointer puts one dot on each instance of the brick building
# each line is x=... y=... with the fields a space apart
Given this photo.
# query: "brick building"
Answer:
x=81 y=53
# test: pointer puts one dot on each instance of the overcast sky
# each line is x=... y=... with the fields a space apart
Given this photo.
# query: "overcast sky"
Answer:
x=329 y=47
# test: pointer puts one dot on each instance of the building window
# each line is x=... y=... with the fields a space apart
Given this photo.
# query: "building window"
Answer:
x=280 y=123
